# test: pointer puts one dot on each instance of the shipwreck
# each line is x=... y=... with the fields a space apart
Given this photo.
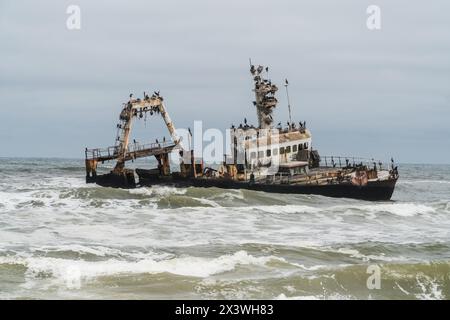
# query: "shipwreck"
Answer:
x=264 y=157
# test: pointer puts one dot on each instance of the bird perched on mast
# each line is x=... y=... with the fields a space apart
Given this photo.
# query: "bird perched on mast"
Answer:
x=260 y=69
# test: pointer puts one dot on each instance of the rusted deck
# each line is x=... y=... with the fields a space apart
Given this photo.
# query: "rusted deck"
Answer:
x=134 y=151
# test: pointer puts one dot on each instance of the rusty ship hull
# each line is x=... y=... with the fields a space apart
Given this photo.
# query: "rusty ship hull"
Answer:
x=372 y=191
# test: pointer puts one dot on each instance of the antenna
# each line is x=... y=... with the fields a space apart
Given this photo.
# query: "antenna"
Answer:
x=286 y=84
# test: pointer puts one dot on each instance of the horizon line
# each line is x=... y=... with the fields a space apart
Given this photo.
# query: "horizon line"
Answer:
x=81 y=159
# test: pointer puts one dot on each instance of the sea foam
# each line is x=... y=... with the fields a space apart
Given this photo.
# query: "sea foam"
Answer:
x=63 y=269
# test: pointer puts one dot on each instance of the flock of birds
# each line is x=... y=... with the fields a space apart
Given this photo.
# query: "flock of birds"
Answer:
x=146 y=96
x=290 y=126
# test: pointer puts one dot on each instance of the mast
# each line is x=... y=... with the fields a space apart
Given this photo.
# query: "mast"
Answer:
x=126 y=117
x=265 y=100
x=286 y=84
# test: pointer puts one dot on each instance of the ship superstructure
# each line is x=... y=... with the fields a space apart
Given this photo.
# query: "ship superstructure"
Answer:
x=266 y=147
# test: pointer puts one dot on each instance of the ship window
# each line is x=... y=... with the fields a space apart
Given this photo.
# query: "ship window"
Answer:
x=305 y=145
x=268 y=152
x=275 y=152
x=288 y=149
x=300 y=146
x=261 y=154
x=294 y=148
x=282 y=150
x=253 y=155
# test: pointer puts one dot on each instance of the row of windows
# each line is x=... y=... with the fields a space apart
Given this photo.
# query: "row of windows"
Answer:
x=282 y=150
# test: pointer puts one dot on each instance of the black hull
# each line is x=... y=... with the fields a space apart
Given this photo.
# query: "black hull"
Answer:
x=125 y=180
x=373 y=191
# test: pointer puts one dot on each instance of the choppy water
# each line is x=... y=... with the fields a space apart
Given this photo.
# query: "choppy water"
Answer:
x=61 y=238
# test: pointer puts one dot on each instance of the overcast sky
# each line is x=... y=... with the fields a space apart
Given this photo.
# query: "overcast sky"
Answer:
x=361 y=92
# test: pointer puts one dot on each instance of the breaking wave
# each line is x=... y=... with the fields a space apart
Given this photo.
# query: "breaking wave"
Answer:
x=64 y=269
x=211 y=276
x=62 y=238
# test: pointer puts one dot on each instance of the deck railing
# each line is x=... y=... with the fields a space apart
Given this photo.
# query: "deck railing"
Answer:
x=112 y=152
x=346 y=162
x=109 y=152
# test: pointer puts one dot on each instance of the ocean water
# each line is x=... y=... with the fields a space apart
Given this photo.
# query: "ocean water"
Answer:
x=63 y=239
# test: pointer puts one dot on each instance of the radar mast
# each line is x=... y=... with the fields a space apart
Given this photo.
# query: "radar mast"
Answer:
x=265 y=100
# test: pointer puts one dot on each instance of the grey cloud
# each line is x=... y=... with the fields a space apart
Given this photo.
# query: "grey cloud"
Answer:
x=376 y=93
